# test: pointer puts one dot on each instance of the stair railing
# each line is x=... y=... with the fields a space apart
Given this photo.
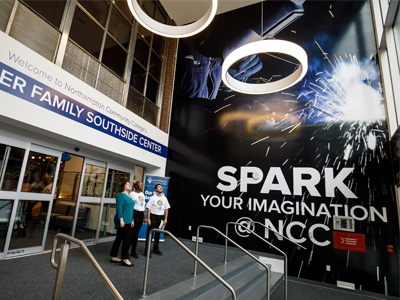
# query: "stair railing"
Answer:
x=238 y=246
x=265 y=241
x=60 y=267
x=197 y=259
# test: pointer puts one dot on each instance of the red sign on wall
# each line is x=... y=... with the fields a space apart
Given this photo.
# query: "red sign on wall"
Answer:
x=349 y=241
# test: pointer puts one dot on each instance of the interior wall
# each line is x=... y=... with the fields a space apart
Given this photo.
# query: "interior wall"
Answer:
x=312 y=161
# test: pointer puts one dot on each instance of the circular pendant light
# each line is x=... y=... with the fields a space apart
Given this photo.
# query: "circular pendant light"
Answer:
x=172 y=31
x=265 y=46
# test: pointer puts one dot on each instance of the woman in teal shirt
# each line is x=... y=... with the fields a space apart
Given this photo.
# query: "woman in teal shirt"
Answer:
x=123 y=221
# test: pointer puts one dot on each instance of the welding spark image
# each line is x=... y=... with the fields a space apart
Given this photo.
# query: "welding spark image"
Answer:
x=344 y=91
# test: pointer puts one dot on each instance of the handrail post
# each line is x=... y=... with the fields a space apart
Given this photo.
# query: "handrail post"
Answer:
x=146 y=269
x=226 y=245
x=99 y=270
x=60 y=272
x=196 y=252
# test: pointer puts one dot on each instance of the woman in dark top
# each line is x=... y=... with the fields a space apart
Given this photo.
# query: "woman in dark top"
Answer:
x=123 y=221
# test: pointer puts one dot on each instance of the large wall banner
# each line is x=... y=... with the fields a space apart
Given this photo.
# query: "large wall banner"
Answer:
x=311 y=162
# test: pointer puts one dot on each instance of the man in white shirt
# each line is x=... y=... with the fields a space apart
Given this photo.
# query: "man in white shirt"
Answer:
x=157 y=211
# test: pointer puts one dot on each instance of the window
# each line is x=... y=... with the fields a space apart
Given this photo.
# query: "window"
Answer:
x=103 y=33
x=107 y=227
x=52 y=11
x=99 y=48
x=39 y=173
x=139 y=173
x=97 y=9
x=28 y=224
x=146 y=76
x=396 y=29
x=6 y=207
x=114 y=180
x=93 y=181
x=69 y=178
x=11 y=159
x=85 y=32
x=138 y=77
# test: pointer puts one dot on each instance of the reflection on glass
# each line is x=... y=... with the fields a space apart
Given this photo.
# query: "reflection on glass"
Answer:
x=107 y=227
x=120 y=28
x=87 y=221
x=148 y=7
x=52 y=11
x=158 y=44
x=5 y=213
x=155 y=65
x=39 y=173
x=83 y=27
x=142 y=52
x=123 y=6
x=114 y=179
x=396 y=29
x=69 y=178
x=93 y=181
x=138 y=78
x=145 y=34
x=63 y=214
x=114 y=57
x=139 y=173
x=28 y=227
x=98 y=10
x=152 y=89
x=11 y=159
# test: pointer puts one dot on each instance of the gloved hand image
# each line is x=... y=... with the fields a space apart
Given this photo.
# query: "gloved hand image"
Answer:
x=200 y=74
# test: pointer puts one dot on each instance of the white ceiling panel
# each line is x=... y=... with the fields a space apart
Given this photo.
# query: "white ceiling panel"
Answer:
x=187 y=11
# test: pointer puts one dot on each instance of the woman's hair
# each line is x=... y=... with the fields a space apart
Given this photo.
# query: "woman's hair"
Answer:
x=122 y=186
x=136 y=183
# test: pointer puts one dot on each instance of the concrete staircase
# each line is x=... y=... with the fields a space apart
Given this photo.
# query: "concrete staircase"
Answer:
x=247 y=277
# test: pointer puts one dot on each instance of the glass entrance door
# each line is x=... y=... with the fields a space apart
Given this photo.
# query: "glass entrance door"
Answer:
x=34 y=193
x=91 y=193
x=65 y=197
x=116 y=175
x=11 y=159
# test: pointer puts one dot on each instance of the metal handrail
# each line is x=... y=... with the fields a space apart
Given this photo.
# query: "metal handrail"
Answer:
x=238 y=246
x=62 y=264
x=274 y=231
x=190 y=253
x=265 y=241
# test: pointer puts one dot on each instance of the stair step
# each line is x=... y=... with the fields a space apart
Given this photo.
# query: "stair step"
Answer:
x=229 y=274
x=239 y=281
x=246 y=276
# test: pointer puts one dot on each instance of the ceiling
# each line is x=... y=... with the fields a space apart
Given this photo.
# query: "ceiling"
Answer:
x=187 y=11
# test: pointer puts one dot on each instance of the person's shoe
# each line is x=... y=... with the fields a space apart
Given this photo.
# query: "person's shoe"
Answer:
x=116 y=260
x=157 y=252
x=145 y=253
x=125 y=264
x=134 y=254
